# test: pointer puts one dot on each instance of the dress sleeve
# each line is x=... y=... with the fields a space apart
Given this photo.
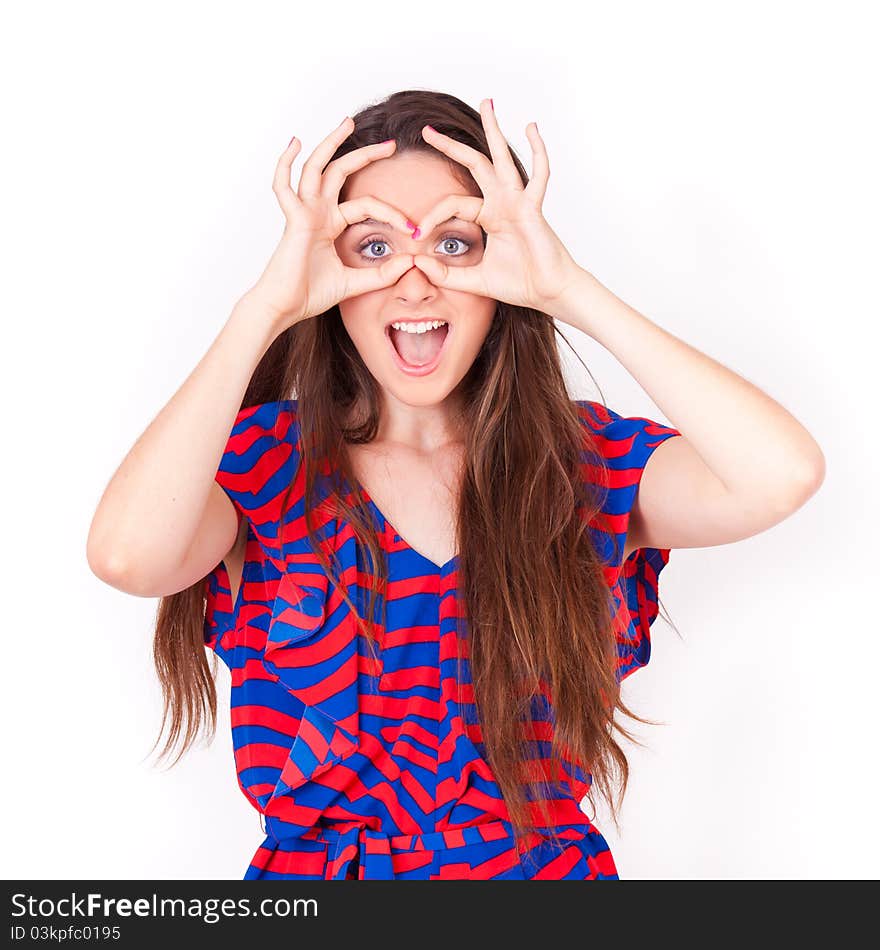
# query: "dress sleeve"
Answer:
x=254 y=470
x=626 y=444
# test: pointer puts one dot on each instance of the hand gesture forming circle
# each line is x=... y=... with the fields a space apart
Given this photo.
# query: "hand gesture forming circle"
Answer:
x=305 y=275
x=524 y=262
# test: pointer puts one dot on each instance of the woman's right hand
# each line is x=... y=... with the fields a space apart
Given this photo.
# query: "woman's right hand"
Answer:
x=305 y=276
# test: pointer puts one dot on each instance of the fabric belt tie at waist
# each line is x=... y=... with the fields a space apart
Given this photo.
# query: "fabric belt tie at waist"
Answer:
x=372 y=850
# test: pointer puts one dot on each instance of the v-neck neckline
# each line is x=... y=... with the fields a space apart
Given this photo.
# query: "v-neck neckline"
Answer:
x=438 y=568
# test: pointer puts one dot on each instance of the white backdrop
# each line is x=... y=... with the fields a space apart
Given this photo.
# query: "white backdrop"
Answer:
x=712 y=164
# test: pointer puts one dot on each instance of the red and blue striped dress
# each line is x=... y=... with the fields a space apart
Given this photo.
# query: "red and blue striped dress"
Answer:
x=374 y=769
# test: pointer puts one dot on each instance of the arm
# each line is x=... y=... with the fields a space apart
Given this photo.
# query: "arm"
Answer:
x=153 y=508
x=742 y=464
x=162 y=524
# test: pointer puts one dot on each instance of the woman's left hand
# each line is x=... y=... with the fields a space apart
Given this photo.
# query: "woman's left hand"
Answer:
x=524 y=263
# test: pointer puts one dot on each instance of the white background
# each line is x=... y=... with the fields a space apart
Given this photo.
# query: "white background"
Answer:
x=715 y=165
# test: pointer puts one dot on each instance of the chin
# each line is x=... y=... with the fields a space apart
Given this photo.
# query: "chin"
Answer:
x=418 y=395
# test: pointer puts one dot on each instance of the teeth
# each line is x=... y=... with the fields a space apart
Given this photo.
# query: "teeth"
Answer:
x=419 y=327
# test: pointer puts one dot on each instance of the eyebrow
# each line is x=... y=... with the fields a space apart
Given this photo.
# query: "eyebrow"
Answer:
x=372 y=222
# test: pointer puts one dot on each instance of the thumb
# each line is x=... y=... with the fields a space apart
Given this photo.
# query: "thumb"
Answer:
x=467 y=279
x=434 y=270
x=365 y=279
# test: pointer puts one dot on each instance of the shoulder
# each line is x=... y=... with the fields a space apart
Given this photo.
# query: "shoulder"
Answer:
x=593 y=415
x=277 y=419
x=262 y=434
x=259 y=433
x=260 y=458
x=622 y=444
x=621 y=449
x=638 y=431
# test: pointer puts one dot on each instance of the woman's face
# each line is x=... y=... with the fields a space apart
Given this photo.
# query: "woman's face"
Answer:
x=413 y=182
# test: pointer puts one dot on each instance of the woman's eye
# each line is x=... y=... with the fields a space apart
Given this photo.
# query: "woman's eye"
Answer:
x=456 y=240
x=371 y=244
x=374 y=242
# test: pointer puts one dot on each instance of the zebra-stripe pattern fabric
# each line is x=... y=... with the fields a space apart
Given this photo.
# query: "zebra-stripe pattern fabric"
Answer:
x=374 y=768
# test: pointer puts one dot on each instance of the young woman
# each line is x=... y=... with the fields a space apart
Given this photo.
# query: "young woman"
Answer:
x=426 y=566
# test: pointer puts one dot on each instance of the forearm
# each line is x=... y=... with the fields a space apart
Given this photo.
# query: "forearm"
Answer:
x=152 y=507
x=751 y=443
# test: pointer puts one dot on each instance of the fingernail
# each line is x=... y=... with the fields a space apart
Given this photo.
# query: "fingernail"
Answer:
x=291 y=142
x=386 y=141
x=431 y=127
x=417 y=233
x=492 y=103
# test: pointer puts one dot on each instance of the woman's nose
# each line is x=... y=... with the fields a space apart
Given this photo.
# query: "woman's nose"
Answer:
x=414 y=285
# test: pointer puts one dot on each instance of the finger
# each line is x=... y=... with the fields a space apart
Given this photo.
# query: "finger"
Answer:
x=310 y=180
x=336 y=172
x=537 y=186
x=468 y=279
x=476 y=162
x=281 y=182
x=465 y=207
x=500 y=150
x=357 y=209
x=361 y=280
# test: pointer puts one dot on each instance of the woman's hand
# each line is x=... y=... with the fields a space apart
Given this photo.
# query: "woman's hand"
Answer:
x=524 y=262
x=305 y=276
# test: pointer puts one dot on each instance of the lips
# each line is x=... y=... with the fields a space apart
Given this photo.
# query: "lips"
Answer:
x=409 y=369
x=426 y=319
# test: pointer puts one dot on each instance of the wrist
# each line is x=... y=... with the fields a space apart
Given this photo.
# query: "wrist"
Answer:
x=263 y=307
x=575 y=304
x=261 y=322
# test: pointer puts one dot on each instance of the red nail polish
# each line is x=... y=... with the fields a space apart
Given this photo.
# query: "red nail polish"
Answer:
x=417 y=233
x=290 y=142
x=492 y=103
x=386 y=141
x=431 y=127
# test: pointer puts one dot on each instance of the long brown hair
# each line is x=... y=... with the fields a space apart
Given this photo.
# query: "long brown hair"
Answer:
x=531 y=584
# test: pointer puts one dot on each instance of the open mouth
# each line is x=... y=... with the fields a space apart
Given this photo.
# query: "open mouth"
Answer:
x=418 y=354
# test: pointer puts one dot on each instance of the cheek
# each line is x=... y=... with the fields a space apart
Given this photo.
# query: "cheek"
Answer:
x=359 y=320
x=353 y=322
x=482 y=317
x=472 y=334
x=355 y=313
